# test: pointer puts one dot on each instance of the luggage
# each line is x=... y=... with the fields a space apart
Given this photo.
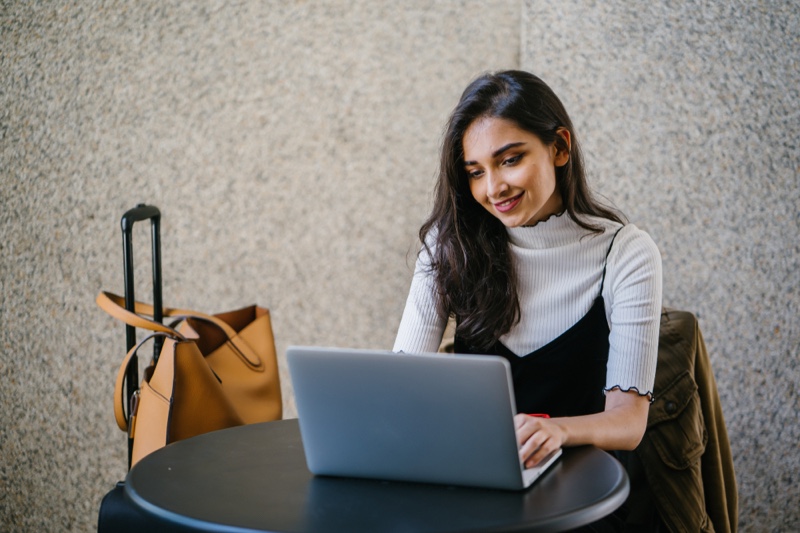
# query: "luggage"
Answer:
x=117 y=514
x=208 y=372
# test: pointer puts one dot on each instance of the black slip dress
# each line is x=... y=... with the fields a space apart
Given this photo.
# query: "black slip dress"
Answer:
x=566 y=377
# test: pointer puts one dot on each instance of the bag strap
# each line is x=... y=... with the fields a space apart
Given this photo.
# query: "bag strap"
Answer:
x=119 y=395
x=114 y=305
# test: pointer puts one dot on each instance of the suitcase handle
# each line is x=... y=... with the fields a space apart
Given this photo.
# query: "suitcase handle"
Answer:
x=129 y=218
x=137 y=214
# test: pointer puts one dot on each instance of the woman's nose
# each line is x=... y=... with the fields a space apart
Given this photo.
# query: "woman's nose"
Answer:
x=495 y=185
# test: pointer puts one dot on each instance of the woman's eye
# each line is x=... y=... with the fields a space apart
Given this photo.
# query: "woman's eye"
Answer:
x=513 y=160
x=472 y=174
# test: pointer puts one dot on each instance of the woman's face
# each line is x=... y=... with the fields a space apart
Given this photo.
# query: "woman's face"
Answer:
x=512 y=174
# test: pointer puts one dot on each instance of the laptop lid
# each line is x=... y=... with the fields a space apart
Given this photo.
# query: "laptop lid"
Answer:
x=429 y=418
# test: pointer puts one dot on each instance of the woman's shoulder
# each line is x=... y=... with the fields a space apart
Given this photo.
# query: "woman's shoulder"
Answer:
x=634 y=249
x=625 y=243
x=627 y=233
x=631 y=236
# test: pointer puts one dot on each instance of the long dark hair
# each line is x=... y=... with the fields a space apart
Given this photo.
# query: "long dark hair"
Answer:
x=468 y=246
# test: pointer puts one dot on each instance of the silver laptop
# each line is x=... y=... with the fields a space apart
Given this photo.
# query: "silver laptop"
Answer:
x=431 y=418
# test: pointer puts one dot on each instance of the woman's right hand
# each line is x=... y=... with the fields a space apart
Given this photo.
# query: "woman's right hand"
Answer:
x=537 y=438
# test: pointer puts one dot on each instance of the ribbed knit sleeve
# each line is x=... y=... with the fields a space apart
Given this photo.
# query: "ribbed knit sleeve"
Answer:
x=422 y=326
x=632 y=293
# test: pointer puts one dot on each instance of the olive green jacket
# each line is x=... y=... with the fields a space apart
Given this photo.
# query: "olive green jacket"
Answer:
x=685 y=455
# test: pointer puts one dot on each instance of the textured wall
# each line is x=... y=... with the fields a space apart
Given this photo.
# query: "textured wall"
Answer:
x=690 y=117
x=291 y=147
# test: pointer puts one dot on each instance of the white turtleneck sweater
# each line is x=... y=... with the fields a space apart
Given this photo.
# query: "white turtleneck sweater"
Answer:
x=559 y=267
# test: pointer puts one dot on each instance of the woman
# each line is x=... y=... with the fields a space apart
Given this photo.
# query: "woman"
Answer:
x=533 y=269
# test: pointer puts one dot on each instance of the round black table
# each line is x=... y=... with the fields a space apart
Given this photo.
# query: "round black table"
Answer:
x=254 y=478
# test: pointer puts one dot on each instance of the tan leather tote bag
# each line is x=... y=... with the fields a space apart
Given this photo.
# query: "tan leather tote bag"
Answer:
x=213 y=372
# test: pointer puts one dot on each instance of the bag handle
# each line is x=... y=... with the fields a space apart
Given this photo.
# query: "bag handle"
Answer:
x=119 y=395
x=114 y=305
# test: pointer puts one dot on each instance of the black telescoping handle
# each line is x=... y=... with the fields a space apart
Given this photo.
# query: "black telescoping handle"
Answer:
x=137 y=214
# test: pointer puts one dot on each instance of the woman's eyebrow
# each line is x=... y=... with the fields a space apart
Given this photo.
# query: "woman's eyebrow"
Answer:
x=497 y=152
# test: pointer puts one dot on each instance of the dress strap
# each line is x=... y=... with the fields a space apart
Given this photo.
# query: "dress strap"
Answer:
x=605 y=265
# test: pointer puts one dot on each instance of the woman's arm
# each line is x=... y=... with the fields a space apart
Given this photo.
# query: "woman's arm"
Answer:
x=422 y=325
x=619 y=427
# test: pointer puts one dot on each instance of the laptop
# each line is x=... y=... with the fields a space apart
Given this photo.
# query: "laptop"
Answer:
x=432 y=418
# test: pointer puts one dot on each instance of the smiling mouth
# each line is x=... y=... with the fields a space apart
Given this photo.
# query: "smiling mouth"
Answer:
x=508 y=205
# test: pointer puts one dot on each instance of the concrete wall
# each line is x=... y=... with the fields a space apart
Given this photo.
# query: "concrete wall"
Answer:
x=291 y=147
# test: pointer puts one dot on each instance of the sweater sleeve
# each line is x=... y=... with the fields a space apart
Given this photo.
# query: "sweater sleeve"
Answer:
x=633 y=296
x=422 y=326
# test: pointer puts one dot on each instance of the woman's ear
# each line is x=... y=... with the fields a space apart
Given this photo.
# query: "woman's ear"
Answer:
x=562 y=147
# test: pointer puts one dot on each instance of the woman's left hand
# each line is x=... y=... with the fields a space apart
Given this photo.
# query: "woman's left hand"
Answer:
x=537 y=438
x=619 y=427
